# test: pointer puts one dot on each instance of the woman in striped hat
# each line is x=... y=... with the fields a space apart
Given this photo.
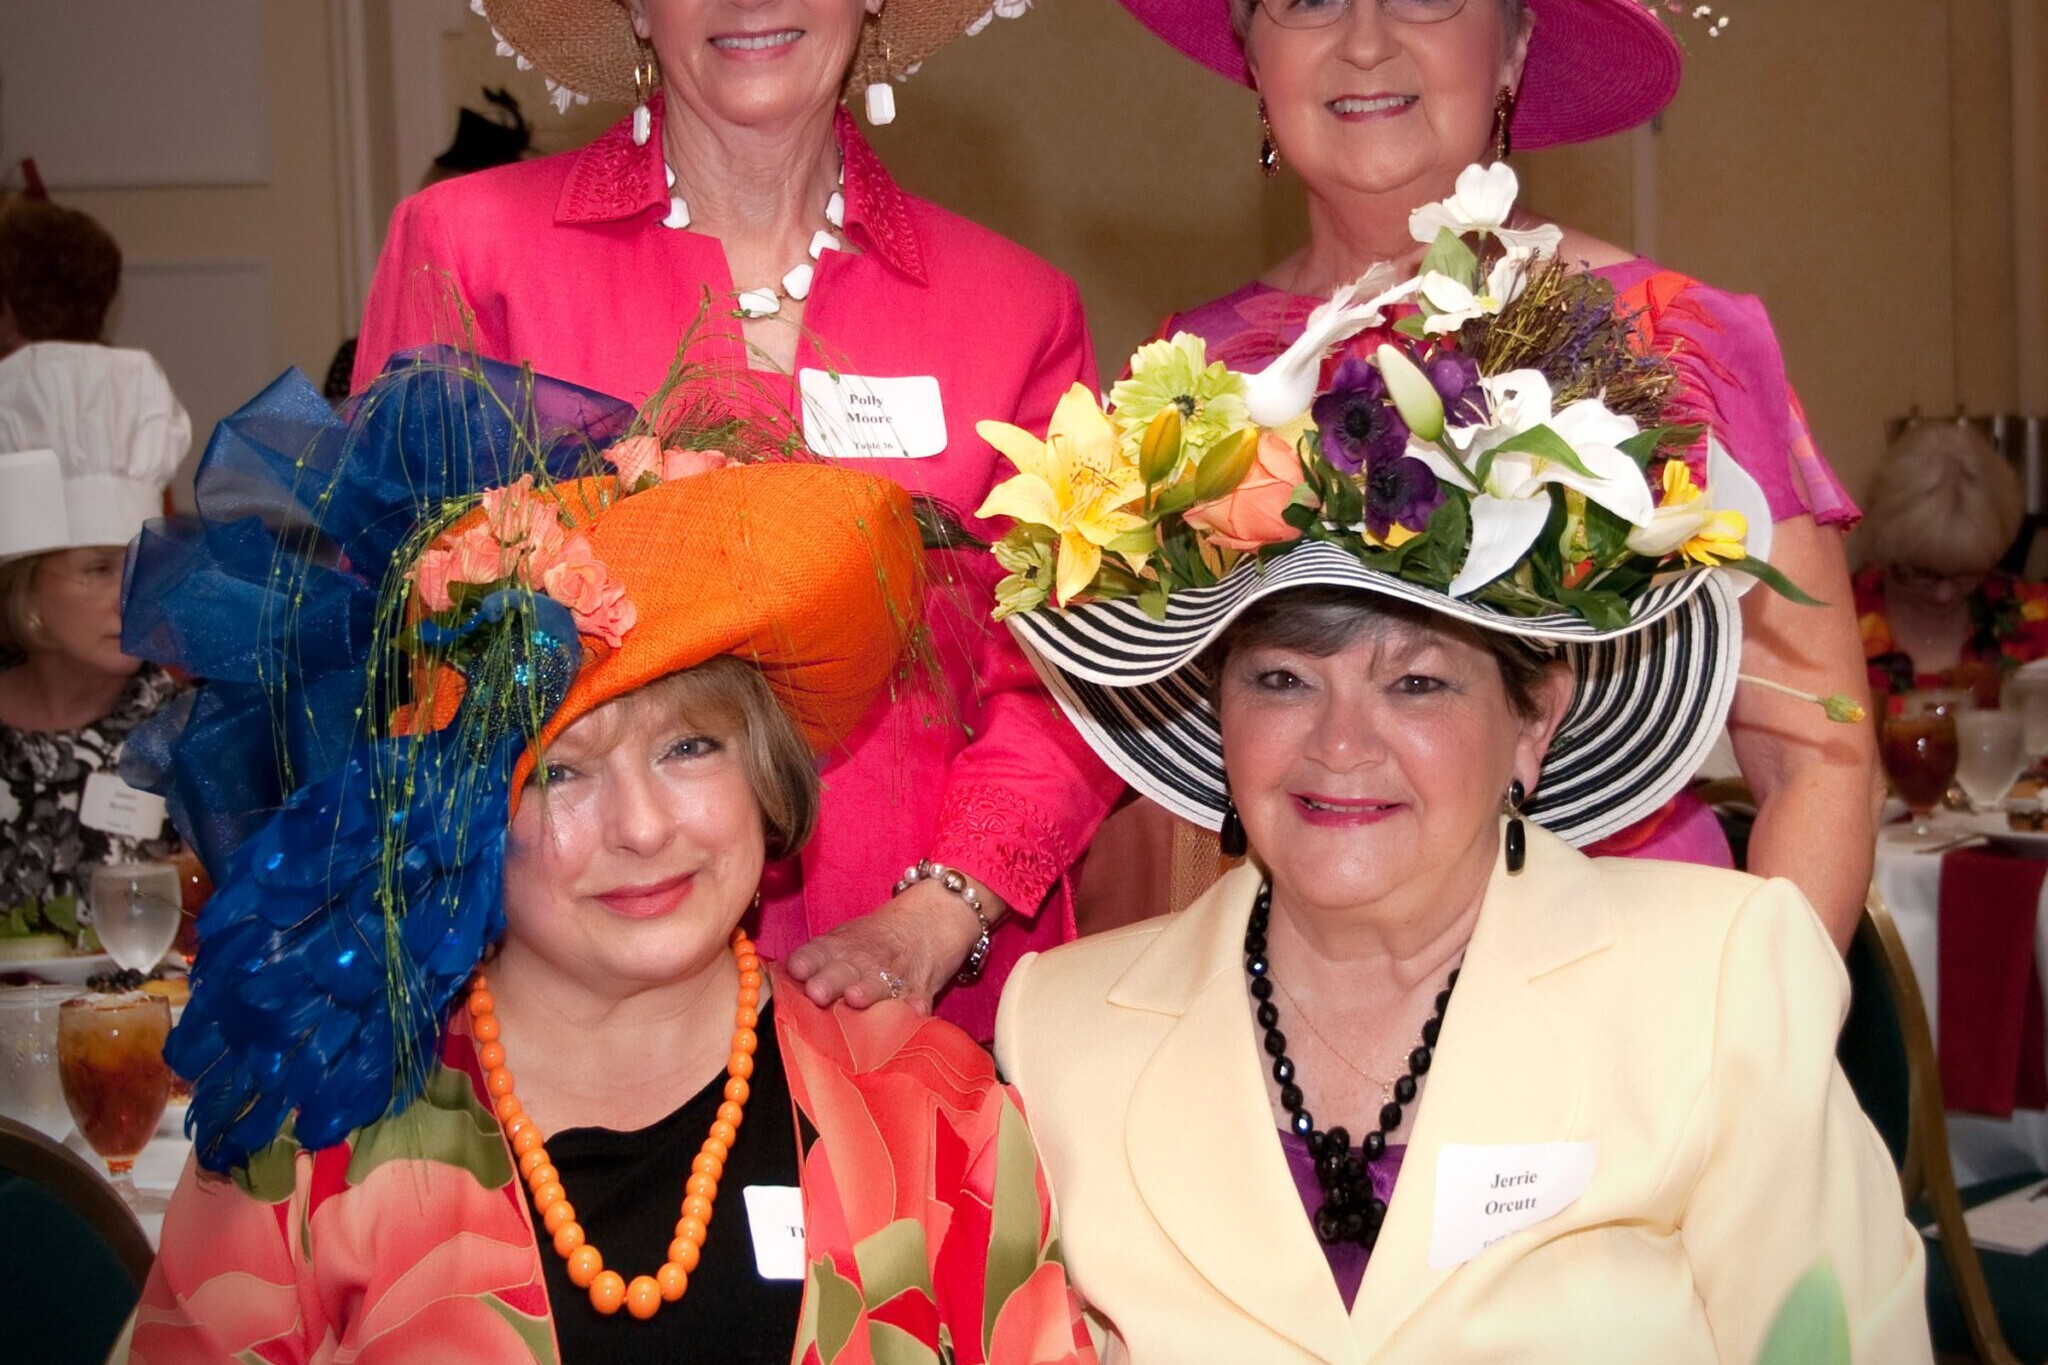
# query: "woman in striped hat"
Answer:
x=1383 y=106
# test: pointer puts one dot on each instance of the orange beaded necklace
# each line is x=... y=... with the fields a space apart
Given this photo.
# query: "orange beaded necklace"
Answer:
x=645 y=1294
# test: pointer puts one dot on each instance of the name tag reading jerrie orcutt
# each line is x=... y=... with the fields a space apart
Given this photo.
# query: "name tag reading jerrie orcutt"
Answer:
x=862 y=417
x=1485 y=1193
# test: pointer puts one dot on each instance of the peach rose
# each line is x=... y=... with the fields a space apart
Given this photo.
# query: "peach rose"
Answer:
x=431 y=577
x=575 y=578
x=525 y=523
x=634 y=458
x=610 y=618
x=1250 y=515
x=681 y=464
x=475 y=556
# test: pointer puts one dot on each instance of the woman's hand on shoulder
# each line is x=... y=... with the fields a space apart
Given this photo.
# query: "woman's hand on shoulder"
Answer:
x=908 y=948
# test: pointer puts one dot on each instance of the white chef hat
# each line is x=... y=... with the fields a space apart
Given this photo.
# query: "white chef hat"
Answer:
x=89 y=437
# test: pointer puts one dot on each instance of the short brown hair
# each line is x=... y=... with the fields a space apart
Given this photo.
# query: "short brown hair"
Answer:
x=1321 y=621
x=18 y=632
x=728 y=696
x=59 y=271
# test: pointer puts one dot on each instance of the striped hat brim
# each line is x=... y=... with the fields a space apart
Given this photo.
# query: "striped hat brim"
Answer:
x=1648 y=702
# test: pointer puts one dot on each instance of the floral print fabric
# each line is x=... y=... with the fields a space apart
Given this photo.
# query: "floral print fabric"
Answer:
x=929 y=1230
x=2008 y=627
x=42 y=777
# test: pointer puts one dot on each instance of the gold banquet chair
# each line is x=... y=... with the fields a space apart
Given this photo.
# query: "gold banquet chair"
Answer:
x=1887 y=1050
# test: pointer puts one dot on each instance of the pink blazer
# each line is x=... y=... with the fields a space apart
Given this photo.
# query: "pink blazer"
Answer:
x=563 y=262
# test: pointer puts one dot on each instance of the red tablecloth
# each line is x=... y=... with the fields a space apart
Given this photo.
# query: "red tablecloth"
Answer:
x=1990 y=1028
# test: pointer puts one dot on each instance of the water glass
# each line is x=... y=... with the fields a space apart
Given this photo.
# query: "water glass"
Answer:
x=136 y=908
x=110 y=1058
x=1990 y=754
x=30 y=1090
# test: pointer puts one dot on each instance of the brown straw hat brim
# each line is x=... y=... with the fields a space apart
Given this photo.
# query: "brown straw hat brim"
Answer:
x=589 y=48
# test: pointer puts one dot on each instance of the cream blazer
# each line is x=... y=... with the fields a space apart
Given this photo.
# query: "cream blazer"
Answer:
x=1682 y=1018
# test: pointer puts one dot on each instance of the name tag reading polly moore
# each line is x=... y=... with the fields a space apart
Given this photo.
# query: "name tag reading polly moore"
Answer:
x=859 y=417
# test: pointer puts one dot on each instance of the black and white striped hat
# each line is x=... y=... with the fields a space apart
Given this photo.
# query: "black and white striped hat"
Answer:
x=1651 y=697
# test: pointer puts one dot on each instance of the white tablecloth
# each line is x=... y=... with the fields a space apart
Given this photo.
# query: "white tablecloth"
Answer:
x=1982 y=1148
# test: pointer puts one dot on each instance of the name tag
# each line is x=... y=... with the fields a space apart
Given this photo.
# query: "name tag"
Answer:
x=1486 y=1193
x=775 y=1216
x=855 y=417
x=113 y=807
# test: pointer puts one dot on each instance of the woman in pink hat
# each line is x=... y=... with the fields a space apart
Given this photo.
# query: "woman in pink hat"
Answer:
x=1379 y=105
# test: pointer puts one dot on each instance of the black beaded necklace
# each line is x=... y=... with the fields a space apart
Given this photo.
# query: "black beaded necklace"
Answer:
x=1351 y=1212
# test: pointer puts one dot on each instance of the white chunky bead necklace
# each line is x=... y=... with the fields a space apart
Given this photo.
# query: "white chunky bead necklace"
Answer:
x=766 y=301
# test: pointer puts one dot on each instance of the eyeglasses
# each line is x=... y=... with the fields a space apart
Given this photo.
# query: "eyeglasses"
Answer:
x=1915 y=576
x=1323 y=13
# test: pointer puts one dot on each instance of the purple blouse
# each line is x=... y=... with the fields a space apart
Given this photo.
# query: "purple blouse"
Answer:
x=1347 y=1259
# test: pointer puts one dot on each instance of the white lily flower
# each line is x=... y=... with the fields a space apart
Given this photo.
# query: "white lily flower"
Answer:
x=1284 y=390
x=1483 y=203
x=1729 y=489
x=1452 y=305
x=1508 y=512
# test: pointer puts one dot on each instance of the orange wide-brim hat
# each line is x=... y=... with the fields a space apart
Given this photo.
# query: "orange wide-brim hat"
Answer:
x=811 y=573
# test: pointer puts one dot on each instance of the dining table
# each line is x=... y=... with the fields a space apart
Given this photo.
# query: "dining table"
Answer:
x=157 y=1168
x=1970 y=902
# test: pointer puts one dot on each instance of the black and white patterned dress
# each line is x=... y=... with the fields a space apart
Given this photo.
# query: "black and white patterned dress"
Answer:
x=43 y=847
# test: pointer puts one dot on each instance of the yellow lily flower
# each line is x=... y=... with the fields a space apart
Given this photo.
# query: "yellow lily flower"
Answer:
x=1077 y=482
x=1694 y=528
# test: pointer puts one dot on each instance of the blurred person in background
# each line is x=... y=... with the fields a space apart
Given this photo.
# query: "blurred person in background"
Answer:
x=1933 y=608
x=89 y=437
x=59 y=272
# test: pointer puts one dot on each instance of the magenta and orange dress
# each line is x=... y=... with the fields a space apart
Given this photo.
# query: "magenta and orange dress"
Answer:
x=1733 y=378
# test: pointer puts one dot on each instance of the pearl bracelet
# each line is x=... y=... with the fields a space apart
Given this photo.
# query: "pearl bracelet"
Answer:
x=955 y=882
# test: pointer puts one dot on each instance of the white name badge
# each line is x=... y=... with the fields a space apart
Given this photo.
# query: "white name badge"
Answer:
x=111 y=806
x=1486 y=1193
x=775 y=1215
x=855 y=417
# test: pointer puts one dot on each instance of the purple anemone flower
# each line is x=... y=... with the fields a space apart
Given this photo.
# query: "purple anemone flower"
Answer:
x=1358 y=422
x=1455 y=377
x=1399 y=489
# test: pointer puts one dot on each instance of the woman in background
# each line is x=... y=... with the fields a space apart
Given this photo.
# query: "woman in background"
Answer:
x=1932 y=605
x=1380 y=105
x=89 y=437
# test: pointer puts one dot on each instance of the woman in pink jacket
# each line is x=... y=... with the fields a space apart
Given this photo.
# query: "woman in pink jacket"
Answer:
x=891 y=325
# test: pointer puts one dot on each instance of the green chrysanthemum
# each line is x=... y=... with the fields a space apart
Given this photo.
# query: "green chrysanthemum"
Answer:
x=1210 y=396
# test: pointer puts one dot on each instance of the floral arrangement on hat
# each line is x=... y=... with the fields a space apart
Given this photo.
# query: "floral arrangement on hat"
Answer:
x=1487 y=428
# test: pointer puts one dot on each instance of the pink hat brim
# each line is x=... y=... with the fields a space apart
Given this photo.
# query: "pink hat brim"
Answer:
x=1595 y=67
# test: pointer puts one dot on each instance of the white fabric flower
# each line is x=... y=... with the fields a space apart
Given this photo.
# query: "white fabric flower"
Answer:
x=1284 y=390
x=1001 y=9
x=1452 y=305
x=1483 y=203
x=1509 y=511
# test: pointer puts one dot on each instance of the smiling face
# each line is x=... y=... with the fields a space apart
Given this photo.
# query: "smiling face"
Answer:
x=1370 y=104
x=752 y=63
x=640 y=840
x=76 y=594
x=1368 y=754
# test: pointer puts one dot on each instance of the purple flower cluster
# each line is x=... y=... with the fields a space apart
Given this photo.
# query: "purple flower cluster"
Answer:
x=1455 y=377
x=1362 y=433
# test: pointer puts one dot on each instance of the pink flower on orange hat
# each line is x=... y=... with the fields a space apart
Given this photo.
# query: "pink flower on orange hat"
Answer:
x=681 y=464
x=575 y=578
x=610 y=618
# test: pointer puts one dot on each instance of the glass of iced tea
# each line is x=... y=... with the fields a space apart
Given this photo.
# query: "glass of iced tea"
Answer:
x=1919 y=753
x=110 y=1058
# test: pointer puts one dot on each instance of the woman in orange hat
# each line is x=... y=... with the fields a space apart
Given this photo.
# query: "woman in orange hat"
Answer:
x=483 y=1062
x=890 y=324
x=1385 y=108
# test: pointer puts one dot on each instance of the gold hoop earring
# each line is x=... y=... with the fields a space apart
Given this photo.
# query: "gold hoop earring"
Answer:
x=1503 y=122
x=1269 y=152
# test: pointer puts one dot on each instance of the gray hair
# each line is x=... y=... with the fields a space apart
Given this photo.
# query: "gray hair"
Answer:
x=1944 y=500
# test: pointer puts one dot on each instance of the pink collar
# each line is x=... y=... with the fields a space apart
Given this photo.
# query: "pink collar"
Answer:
x=612 y=179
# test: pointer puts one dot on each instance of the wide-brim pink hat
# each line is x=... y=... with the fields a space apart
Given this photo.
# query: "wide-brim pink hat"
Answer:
x=1595 y=67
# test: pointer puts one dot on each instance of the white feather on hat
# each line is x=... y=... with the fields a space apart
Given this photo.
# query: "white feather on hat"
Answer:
x=89 y=437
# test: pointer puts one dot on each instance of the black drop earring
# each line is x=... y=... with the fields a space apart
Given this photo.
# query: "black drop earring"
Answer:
x=1269 y=151
x=1231 y=836
x=1517 y=840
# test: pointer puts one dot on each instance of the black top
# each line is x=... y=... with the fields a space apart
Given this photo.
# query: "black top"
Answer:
x=628 y=1193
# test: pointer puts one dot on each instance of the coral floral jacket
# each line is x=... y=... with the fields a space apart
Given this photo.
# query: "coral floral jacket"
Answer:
x=928 y=1226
